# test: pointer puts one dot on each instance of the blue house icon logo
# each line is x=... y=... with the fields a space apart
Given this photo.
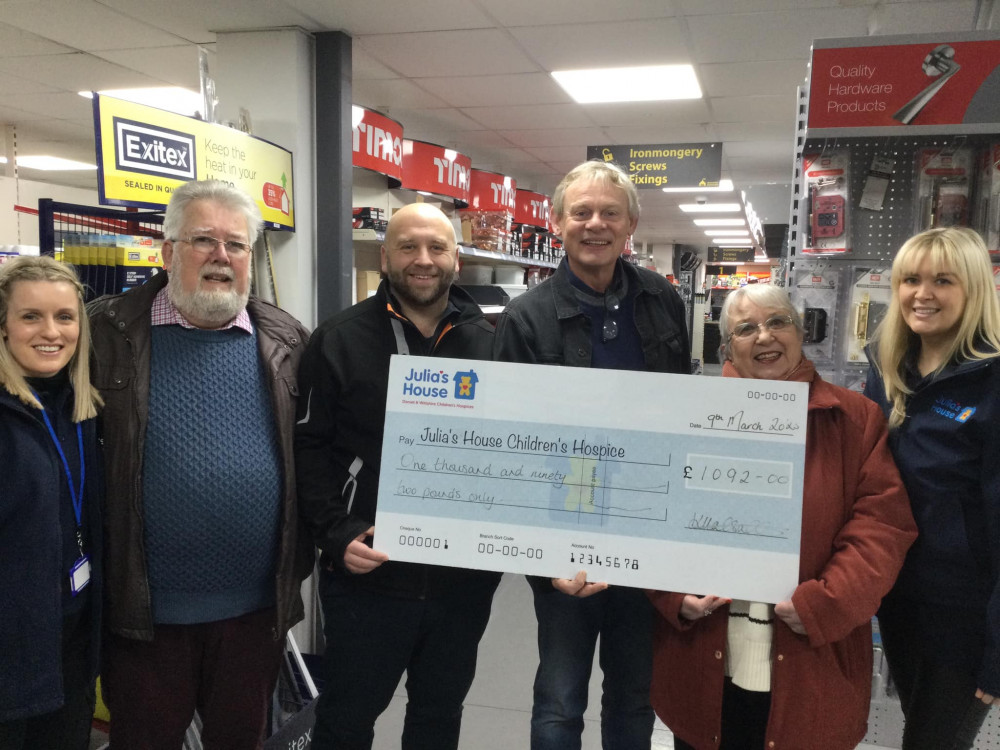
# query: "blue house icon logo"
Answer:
x=465 y=385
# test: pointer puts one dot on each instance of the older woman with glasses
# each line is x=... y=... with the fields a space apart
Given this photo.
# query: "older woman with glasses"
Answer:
x=796 y=674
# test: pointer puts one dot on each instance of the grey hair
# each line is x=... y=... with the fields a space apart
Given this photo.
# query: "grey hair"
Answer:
x=596 y=171
x=762 y=295
x=210 y=190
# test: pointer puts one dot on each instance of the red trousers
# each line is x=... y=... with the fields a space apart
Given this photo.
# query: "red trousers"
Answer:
x=226 y=670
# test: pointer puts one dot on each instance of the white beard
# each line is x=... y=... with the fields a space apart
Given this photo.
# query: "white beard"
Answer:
x=216 y=308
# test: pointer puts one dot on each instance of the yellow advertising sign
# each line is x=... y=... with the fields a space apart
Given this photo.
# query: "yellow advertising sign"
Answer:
x=144 y=153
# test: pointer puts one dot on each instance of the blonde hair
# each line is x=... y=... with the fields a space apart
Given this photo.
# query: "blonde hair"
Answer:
x=959 y=251
x=44 y=268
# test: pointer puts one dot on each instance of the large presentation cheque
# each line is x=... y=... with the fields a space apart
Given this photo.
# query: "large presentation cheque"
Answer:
x=668 y=482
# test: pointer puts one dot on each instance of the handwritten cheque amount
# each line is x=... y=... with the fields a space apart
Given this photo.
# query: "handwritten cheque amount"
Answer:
x=659 y=481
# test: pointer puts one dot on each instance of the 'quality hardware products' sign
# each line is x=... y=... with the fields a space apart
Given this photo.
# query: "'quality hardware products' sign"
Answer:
x=655 y=166
x=144 y=153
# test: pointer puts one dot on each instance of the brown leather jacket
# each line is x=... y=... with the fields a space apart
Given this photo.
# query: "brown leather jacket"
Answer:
x=121 y=331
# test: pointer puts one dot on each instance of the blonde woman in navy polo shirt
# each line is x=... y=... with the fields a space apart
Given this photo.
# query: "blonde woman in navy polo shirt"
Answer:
x=936 y=375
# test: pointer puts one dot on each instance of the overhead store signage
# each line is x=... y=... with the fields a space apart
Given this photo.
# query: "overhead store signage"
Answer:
x=490 y=191
x=531 y=208
x=436 y=169
x=656 y=166
x=948 y=83
x=144 y=153
x=378 y=144
x=730 y=255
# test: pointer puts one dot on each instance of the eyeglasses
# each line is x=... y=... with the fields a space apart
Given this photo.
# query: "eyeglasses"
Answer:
x=772 y=324
x=205 y=245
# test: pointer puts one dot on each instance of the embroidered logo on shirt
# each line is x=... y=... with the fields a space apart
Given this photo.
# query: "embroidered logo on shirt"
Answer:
x=953 y=410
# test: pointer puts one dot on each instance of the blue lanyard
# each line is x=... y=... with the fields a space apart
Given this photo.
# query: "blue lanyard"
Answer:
x=74 y=493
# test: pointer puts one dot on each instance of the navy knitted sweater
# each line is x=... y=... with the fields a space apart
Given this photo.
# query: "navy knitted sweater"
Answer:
x=212 y=477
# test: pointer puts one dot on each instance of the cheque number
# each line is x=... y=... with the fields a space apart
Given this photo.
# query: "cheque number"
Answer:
x=510 y=550
x=431 y=542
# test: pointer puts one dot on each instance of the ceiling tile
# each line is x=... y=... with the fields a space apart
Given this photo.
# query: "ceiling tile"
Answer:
x=15 y=85
x=750 y=131
x=555 y=137
x=86 y=25
x=60 y=105
x=364 y=66
x=526 y=117
x=917 y=17
x=661 y=134
x=197 y=21
x=561 y=12
x=391 y=16
x=764 y=77
x=177 y=66
x=475 y=52
x=75 y=72
x=487 y=91
x=598 y=45
x=15 y=42
x=736 y=37
x=649 y=114
x=743 y=108
x=393 y=93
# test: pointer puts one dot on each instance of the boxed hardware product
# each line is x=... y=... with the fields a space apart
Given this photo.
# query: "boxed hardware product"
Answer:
x=870 y=297
x=137 y=260
x=487 y=230
x=828 y=178
x=369 y=217
x=814 y=294
x=987 y=214
x=944 y=187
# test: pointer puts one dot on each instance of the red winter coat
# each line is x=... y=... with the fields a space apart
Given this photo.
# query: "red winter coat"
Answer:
x=856 y=529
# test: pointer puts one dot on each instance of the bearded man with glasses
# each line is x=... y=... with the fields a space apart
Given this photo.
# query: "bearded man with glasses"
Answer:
x=204 y=550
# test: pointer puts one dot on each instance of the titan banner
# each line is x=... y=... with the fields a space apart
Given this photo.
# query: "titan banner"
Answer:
x=144 y=153
x=532 y=209
x=437 y=170
x=654 y=166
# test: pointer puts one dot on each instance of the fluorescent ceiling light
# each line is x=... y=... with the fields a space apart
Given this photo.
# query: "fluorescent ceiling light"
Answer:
x=725 y=186
x=714 y=208
x=720 y=222
x=52 y=164
x=171 y=98
x=640 y=84
x=736 y=244
x=728 y=233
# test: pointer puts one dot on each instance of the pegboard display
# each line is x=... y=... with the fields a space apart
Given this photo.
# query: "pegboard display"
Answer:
x=877 y=235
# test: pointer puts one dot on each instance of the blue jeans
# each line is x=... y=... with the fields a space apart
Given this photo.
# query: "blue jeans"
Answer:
x=372 y=639
x=938 y=696
x=568 y=628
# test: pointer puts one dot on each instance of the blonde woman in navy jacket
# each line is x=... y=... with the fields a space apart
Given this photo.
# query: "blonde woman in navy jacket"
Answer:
x=936 y=375
x=50 y=528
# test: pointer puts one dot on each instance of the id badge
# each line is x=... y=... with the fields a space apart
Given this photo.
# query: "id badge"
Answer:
x=79 y=576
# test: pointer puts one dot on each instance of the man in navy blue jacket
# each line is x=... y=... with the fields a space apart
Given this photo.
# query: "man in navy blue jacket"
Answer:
x=596 y=311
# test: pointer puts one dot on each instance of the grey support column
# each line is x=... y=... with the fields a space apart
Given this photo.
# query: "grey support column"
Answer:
x=334 y=244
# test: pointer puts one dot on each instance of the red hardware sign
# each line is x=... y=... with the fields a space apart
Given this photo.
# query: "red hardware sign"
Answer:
x=939 y=82
x=436 y=169
x=378 y=144
x=490 y=191
x=532 y=208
